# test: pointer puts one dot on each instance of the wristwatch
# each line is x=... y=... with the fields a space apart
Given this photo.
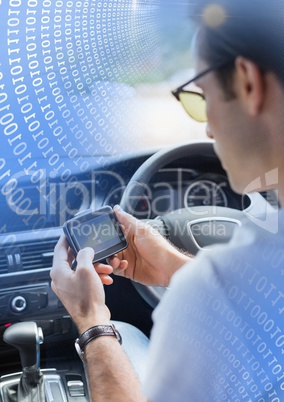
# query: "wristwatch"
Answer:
x=93 y=333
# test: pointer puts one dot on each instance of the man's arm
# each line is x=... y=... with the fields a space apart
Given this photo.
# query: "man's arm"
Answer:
x=111 y=375
x=149 y=259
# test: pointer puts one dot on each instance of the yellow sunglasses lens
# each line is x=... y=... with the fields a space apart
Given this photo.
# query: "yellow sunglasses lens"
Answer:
x=194 y=105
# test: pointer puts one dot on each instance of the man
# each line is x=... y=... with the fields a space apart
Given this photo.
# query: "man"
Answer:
x=218 y=333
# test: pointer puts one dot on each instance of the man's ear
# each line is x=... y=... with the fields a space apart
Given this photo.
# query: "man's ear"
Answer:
x=250 y=85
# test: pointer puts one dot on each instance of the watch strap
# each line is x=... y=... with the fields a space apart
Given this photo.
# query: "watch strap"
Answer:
x=93 y=333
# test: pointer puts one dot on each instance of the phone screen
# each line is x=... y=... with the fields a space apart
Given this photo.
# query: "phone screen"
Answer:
x=99 y=230
x=98 y=233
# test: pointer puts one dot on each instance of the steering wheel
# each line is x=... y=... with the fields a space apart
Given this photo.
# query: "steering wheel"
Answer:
x=189 y=229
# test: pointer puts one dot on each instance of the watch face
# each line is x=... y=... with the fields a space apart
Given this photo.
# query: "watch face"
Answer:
x=117 y=334
x=79 y=350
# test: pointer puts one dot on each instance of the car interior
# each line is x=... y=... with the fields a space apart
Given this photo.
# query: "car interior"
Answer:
x=79 y=81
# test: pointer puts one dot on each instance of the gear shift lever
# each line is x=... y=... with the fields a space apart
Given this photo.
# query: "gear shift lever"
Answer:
x=27 y=337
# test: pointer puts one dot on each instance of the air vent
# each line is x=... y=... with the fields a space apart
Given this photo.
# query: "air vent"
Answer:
x=24 y=257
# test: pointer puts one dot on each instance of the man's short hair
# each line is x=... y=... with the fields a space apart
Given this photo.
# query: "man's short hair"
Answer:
x=250 y=28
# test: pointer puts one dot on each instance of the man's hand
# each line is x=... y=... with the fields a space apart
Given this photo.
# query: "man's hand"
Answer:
x=149 y=259
x=80 y=291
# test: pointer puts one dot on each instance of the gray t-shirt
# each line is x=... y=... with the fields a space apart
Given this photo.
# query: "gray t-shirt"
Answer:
x=218 y=333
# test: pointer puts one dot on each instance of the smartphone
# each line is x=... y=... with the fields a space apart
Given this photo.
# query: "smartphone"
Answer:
x=99 y=230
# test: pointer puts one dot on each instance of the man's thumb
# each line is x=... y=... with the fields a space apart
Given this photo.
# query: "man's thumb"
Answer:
x=124 y=218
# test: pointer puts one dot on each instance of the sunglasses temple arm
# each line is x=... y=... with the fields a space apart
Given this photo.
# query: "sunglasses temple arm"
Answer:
x=177 y=90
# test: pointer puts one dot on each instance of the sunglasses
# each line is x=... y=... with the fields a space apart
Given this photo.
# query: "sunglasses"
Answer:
x=194 y=102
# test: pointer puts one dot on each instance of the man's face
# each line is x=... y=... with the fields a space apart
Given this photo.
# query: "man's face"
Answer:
x=234 y=131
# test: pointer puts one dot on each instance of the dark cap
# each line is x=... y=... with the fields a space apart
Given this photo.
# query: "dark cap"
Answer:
x=250 y=28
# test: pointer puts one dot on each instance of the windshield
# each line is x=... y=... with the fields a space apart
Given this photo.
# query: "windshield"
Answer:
x=91 y=78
